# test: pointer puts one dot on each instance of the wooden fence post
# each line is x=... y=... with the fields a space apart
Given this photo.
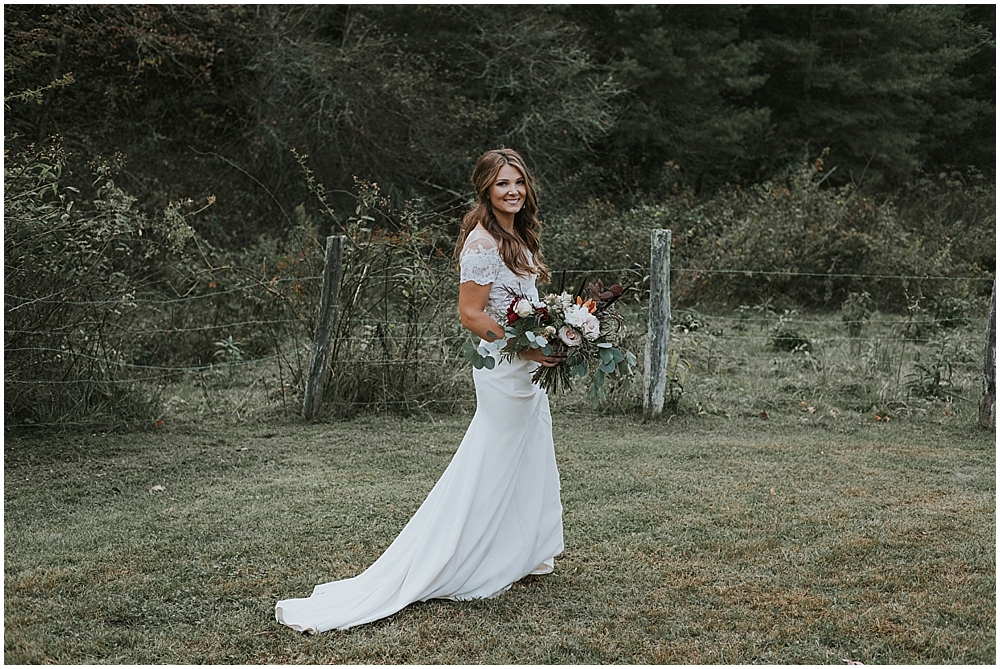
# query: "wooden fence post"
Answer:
x=658 y=340
x=326 y=325
x=987 y=403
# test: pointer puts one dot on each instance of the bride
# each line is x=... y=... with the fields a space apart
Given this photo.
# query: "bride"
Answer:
x=494 y=516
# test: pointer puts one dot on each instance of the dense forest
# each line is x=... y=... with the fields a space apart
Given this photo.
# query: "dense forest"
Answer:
x=619 y=103
x=171 y=172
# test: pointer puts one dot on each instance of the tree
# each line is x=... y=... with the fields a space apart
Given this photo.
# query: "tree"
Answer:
x=524 y=79
x=689 y=75
x=880 y=85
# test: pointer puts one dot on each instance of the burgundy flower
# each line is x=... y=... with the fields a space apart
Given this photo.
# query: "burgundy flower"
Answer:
x=511 y=314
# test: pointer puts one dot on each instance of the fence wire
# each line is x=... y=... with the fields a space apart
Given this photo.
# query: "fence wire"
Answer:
x=723 y=327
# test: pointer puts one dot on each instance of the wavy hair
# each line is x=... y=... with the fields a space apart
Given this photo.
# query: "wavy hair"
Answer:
x=527 y=227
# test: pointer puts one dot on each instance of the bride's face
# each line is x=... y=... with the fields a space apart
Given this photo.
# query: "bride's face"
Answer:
x=508 y=191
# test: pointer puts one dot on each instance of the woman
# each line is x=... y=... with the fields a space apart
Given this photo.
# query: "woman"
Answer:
x=494 y=516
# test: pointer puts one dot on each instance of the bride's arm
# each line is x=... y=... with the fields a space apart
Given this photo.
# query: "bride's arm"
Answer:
x=472 y=300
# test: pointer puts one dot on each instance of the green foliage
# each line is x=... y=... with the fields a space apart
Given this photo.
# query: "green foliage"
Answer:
x=952 y=312
x=920 y=324
x=798 y=242
x=229 y=350
x=931 y=376
x=75 y=266
x=599 y=237
x=786 y=337
x=526 y=81
x=855 y=312
x=689 y=75
x=634 y=118
x=617 y=103
x=397 y=344
x=953 y=216
x=880 y=84
x=106 y=304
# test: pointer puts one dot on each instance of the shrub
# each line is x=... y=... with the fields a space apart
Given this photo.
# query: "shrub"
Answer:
x=798 y=242
x=397 y=347
x=931 y=378
x=855 y=312
x=76 y=265
x=786 y=338
x=952 y=312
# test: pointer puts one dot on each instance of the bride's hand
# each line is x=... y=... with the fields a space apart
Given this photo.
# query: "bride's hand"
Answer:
x=536 y=355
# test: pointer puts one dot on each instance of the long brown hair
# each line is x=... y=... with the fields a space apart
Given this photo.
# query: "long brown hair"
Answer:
x=526 y=224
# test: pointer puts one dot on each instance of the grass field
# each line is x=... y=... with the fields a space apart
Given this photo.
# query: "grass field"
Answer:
x=694 y=539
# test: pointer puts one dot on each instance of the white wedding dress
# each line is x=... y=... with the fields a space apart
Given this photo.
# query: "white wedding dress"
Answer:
x=492 y=518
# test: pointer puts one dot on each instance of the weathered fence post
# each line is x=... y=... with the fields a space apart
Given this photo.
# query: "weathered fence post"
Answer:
x=987 y=403
x=325 y=326
x=658 y=340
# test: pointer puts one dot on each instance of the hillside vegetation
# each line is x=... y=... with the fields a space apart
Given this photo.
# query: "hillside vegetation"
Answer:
x=171 y=173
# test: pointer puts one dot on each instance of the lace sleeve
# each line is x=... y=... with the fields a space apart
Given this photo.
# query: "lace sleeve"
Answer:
x=480 y=264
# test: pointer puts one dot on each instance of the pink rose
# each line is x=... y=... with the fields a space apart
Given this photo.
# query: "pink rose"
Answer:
x=569 y=336
x=591 y=328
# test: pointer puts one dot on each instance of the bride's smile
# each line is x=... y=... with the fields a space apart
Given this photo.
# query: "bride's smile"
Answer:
x=507 y=193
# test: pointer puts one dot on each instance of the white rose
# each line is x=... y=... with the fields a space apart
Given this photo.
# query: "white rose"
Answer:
x=523 y=308
x=549 y=331
x=569 y=336
x=591 y=327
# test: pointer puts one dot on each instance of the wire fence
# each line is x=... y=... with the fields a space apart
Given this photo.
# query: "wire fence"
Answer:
x=377 y=342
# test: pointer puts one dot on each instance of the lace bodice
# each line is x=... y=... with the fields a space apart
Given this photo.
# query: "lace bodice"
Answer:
x=480 y=262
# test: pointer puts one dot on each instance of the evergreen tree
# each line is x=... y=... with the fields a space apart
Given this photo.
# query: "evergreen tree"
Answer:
x=880 y=85
x=689 y=75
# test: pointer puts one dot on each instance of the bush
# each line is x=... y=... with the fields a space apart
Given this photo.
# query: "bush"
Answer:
x=76 y=265
x=106 y=304
x=855 y=312
x=799 y=243
x=398 y=344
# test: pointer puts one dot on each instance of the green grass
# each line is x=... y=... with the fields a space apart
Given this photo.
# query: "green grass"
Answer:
x=692 y=539
x=727 y=366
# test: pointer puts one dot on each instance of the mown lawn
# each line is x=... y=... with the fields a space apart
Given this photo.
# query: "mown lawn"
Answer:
x=690 y=540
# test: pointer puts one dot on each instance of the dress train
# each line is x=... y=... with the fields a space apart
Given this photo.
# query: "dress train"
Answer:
x=492 y=518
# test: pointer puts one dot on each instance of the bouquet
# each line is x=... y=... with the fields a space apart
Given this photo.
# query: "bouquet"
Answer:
x=585 y=326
